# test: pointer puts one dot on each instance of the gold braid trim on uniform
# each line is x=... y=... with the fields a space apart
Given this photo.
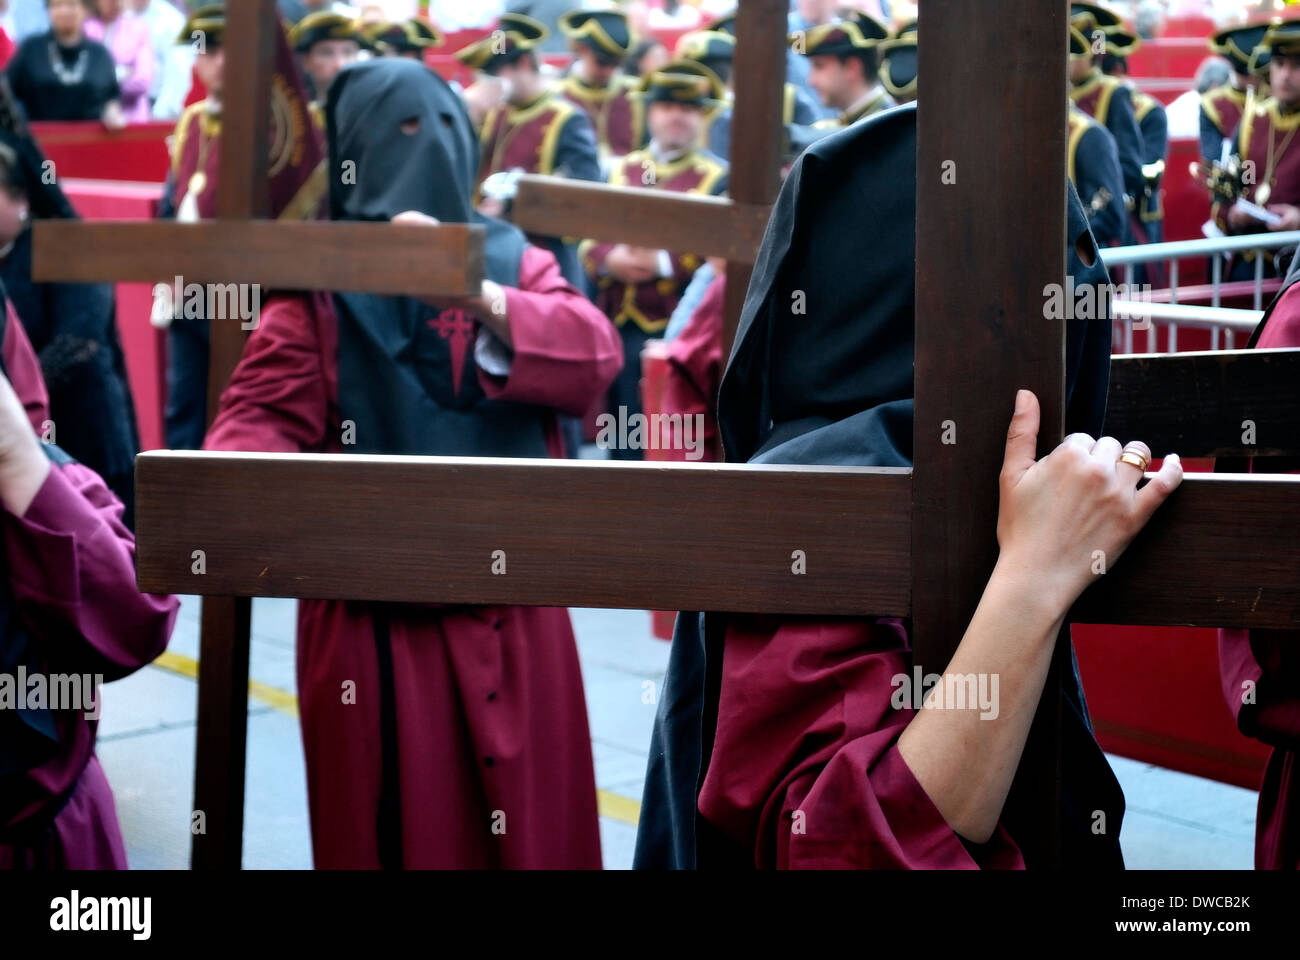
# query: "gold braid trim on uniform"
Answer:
x=1078 y=127
x=1211 y=111
x=209 y=126
x=711 y=172
x=787 y=104
x=546 y=152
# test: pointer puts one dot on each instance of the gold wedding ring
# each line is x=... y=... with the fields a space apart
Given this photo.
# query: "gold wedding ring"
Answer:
x=1135 y=458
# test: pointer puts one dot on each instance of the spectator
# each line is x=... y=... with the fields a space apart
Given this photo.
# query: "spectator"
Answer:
x=63 y=75
x=127 y=39
x=172 y=61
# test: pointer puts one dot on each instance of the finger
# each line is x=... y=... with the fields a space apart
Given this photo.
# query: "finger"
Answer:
x=1083 y=441
x=1107 y=449
x=1022 y=437
x=1165 y=482
x=415 y=216
x=1131 y=471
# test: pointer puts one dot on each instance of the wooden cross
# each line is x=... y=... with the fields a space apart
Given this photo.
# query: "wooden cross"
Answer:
x=1222 y=552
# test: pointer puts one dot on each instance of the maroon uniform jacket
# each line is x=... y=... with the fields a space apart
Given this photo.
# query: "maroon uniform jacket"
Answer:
x=650 y=305
x=548 y=136
x=618 y=118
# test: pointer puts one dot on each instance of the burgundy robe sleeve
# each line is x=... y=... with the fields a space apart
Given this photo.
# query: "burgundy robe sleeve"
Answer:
x=277 y=400
x=695 y=367
x=805 y=768
x=72 y=573
x=565 y=353
x=24 y=370
x=1260 y=669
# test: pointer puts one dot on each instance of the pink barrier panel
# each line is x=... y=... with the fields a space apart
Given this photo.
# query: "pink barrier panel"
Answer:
x=87 y=150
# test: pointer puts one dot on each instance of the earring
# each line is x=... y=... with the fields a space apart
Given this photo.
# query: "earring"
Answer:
x=22 y=214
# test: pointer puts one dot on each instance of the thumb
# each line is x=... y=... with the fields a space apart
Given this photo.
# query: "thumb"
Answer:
x=1022 y=437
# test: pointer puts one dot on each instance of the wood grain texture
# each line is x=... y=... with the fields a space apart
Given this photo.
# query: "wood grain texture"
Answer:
x=981 y=331
x=574 y=533
x=279 y=255
x=757 y=133
x=1223 y=551
x=706 y=226
x=981 y=328
x=221 y=733
x=423 y=529
x=1197 y=404
x=242 y=189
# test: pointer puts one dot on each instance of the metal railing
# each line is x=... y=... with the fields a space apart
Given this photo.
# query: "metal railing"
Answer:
x=1214 y=248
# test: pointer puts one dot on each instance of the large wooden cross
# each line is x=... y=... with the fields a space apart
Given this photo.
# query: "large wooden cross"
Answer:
x=1223 y=551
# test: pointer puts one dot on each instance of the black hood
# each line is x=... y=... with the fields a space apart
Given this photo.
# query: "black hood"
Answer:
x=821 y=370
x=376 y=169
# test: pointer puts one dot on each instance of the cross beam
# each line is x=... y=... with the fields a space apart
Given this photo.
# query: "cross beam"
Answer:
x=707 y=226
x=363 y=257
x=322 y=526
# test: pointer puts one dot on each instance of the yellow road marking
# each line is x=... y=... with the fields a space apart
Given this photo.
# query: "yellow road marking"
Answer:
x=613 y=806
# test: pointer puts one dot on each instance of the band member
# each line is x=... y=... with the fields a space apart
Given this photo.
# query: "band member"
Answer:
x=601 y=41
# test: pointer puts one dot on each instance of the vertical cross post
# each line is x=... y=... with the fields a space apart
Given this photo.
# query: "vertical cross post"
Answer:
x=758 y=78
x=990 y=234
x=225 y=622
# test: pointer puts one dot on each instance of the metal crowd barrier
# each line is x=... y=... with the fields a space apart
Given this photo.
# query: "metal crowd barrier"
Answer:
x=1214 y=317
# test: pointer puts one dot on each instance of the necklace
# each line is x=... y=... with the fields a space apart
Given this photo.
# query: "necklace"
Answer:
x=67 y=75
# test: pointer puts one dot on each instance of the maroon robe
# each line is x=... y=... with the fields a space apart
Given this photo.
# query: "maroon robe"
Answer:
x=1269 y=661
x=491 y=717
x=72 y=575
x=695 y=369
x=805 y=768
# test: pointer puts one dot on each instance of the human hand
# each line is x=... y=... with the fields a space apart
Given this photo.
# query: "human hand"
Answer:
x=1059 y=516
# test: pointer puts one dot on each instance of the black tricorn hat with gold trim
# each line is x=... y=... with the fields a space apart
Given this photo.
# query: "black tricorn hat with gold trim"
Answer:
x=685 y=82
x=606 y=32
x=513 y=36
x=322 y=25
x=703 y=46
x=1092 y=16
x=1079 y=44
x=840 y=37
x=1238 y=44
x=898 y=67
x=405 y=36
x=1283 y=38
x=207 y=22
x=1121 y=43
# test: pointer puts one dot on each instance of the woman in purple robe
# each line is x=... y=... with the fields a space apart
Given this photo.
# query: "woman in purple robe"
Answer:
x=70 y=616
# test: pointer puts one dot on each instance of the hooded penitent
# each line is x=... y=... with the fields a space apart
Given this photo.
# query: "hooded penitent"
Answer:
x=71 y=326
x=408 y=377
x=834 y=386
x=29 y=736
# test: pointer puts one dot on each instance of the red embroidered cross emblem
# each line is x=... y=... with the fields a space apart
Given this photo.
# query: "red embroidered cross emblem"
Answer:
x=455 y=326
